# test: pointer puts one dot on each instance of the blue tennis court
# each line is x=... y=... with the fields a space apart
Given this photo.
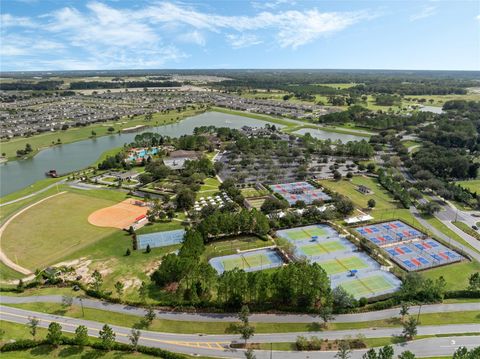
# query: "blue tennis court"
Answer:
x=299 y=191
x=160 y=239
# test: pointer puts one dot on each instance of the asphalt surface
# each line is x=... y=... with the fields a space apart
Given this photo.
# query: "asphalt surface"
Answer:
x=218 y=345
x=255 y=317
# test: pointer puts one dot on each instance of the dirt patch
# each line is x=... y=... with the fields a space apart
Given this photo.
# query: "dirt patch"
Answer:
x=152 y=267
x=132 y=283
x=122 y=215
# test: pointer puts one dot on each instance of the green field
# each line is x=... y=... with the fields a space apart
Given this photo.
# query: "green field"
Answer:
x=230 y=246
x=306 y=233
x=52 y=229
x=472 y=185
x=322 y=248
x=340 y=265
x=208 y=188
x=253 y=192
x=456 y=275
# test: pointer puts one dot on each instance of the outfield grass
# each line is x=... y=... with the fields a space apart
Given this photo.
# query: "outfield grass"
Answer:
x=53 y=229
x=188 y=327
x=44 y=140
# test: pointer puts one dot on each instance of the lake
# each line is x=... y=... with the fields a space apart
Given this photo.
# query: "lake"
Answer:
x=325 y=135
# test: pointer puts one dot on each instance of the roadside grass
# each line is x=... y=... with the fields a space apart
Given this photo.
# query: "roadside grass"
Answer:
x=39 y=185
x=42 y=141
x=193 y=327
x=37 y=237
x=468 y=230
x=6 y=273
x=472 y=185
x=456 y=275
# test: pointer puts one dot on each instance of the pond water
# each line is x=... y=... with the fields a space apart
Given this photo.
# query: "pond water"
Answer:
x=325 y=135
x=74 y=156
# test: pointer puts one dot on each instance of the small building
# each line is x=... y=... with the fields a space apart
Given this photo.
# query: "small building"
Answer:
x=176 y=159
x=364 y=189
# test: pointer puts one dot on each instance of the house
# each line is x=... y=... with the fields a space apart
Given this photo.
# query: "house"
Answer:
x=364 y=189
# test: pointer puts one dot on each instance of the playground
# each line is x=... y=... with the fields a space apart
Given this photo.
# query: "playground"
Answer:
x=299 y=191
x=409 y=248
x=249 y=261
x=355 y=271
x=121 y=215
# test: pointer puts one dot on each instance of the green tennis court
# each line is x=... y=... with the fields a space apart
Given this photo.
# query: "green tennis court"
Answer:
x=368 y=286
x=244 y=262
x=335 y=266
x=306 y=233
x=322 y=248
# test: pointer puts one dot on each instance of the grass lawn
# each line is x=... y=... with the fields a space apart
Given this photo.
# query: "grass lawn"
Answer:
x=456 y=275
x=253 y=192
x=7 y=273
x=108 y=256
x=30 y=189
x=37 y=237
x=465 y=228
x=472 y=185
x=44 y=140
x=208 y=188
x=173 y=326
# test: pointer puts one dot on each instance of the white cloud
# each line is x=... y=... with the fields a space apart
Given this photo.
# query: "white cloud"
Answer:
x=243 y=40
x=425 y=12
x=272 y=4
x=192 y=37
x=7 y=20
x=477 y=17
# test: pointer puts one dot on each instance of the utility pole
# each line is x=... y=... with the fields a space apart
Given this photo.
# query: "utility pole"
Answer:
x=418 y=315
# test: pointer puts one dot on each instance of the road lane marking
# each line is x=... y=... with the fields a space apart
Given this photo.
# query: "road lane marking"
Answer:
x=203 y=345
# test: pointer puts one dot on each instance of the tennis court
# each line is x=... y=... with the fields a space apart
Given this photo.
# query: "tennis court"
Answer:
x=321 y=248
x=355 y=271
x=250 y=261
x=160 y=239
x=299 y=191
x=369 y=286
x=340 y=265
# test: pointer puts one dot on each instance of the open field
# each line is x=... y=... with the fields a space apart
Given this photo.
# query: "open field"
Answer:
x=37 y=237
x=456 y=275
x=253 y=192
x=41 y=141
x=472 y=185
x=208 y=188
x=230 y=246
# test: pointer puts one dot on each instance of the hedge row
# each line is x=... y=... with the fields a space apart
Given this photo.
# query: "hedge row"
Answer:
x=26 y=344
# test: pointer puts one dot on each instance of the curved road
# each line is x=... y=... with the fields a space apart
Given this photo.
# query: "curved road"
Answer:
x=218 y=345
x=33 y=194
x=255 y=317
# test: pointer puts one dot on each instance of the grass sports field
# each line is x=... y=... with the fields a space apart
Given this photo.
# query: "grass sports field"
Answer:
x=257 y=202
x=253 y=192
x=31 y=241
x=340 y=265
x=322 y=248
x=364 y=287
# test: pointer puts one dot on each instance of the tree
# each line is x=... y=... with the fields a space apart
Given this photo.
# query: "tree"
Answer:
x=97 y=281
x=371 y=354
x=185 y=199
x=344 y=205
x=464 y=353
x=474 y=281
x=134 y=337
x=371 y=203
x=111 y=129
x=244 y=329
x=128 y=252
x=429 y=208
x=337 y=176
x=249 y=354
x=142 y=292
x=406 y=355
x=54 y=334
x=410 y=328
x=119 y=288
x=107 y=337
x=343 y=350
x=33 y=325
x=20 y=285
x=325 y=312
x=81 y=335
x=404 y=310
x=149 y=316
x=93 y=133
x=386 y=352
x=67 y=301
x=148 y=249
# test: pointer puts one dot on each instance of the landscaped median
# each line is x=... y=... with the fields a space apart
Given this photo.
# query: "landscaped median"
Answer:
x=193 y=327
x=465 y=228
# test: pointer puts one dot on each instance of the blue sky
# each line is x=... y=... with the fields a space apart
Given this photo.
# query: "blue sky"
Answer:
x=78 y=35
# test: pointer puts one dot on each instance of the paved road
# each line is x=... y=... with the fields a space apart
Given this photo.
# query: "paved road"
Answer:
x=218 y=345
x=258 y=318
x=33 y=194
x=468 y=250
